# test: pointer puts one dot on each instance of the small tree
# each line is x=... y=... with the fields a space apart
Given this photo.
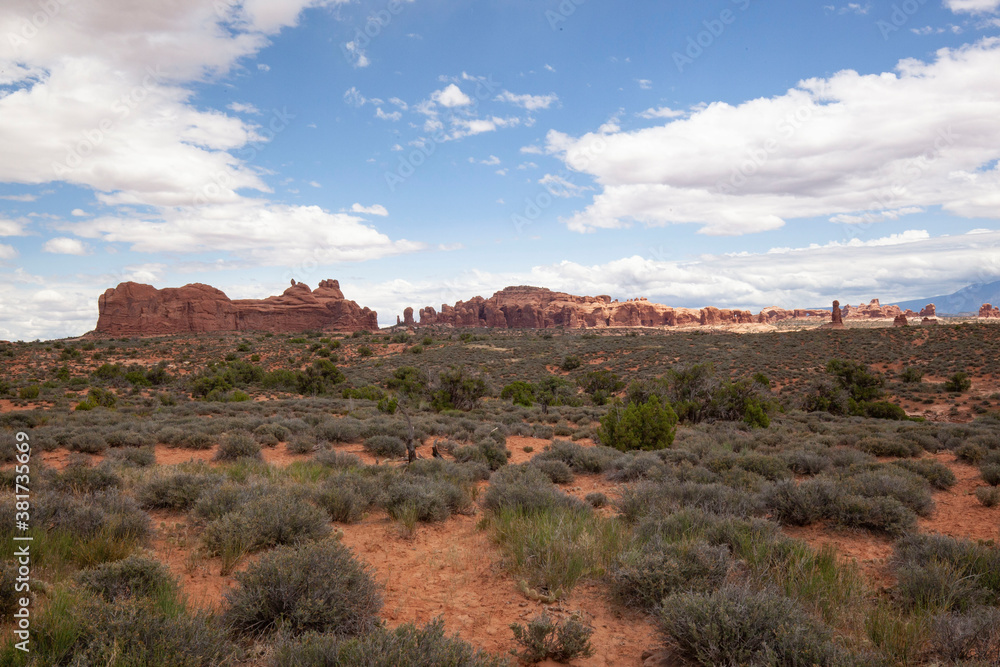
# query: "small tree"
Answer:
x=519 y=393
x=458 y=391
x=644 y=426
x=958 y=383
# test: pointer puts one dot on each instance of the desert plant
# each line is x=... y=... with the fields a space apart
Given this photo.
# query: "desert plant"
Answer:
x=134 y=576
x=653 y=570
x=238 y=445
x=647 y=426
x=958 y=383
x=316 y=587
x=544 y=637
x=988 y=496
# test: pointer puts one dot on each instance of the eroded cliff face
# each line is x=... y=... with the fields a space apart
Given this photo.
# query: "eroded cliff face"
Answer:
x=539 y=308
x=134 y=309
x=989 y=311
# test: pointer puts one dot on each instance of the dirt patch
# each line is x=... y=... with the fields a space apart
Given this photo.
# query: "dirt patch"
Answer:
x=870 y=552
x=175 y=544
x=957 y=512
x=451 y=570
x=517 y=443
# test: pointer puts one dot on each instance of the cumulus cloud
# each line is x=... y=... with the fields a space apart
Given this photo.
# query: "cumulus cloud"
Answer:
x=661 y=112
x=924 y=135
x=12 y=227
x=254 y=231
x=528 y=102
x=7 y=251
x=451 y=96
x=899 y=267
x=973 y=6
x=62 y=245
x=377 y=209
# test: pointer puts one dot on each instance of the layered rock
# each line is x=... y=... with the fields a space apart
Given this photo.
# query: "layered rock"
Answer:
x=539 y=308
x=989 y=310
x=773 y=314
x=900 y=321
x=871 y=311
x=930 y=310
x=136 y=309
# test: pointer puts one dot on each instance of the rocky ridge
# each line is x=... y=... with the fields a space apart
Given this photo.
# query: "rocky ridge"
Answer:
x=134 y=309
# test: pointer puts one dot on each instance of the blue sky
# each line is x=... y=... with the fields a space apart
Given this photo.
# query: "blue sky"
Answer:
x=734 y=153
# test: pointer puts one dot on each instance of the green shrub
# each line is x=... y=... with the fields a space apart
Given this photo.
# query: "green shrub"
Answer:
x=178 y=490
x=427 y=499
x=656 y=569
x=339 y=430
x=596 y=499
x=557 y=471
x=406 y=645
x=801 y=504
x=571 y=362
x=545 y=637
x=523 y=488
x=879 y=514
x=988 y=496
x=958 y=383
x=582 y=460
x=316 y=587
x=75 y=630
x=936 y=586
x=990 y=473
x=911 y=375
x=647 y=426
x=88 y=442
x=458 y=391
x=386 y=446
x=338 y=460
x=973 y=636
x=238 y=445
x=519 y=393
x=966 y=561
x=29 y=393
x=970 y=452
x=133 y=457
x=273 y=519
x=908 y=488
x=939 y=475
x=135 y=576
x=741 y=626
x=346 y=496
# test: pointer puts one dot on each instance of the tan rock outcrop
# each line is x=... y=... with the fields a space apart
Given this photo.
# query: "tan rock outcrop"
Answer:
x=930 y=310
x=871 y=311
x=136 y=309
x=773 y=314
x=988 y=310
x=900 y=321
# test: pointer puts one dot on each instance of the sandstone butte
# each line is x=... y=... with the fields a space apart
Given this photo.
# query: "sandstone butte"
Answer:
x=989 y=310
x=137 y=309
x=539 y=308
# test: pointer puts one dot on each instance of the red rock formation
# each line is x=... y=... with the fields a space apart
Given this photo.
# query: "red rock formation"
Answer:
x=871 y=311
x=539 y=308
x=408 y=317
x=930 y=310
x=988 y=310
x=900 y=321
x=773 y=314
x=135 y=309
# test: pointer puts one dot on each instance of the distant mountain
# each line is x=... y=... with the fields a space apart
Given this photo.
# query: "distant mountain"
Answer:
x=964 y=301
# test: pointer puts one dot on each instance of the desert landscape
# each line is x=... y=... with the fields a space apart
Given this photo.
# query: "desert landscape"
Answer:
x=511 y=480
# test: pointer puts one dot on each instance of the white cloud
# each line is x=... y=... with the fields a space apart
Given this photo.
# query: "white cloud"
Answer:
x=661 y=112
x=560 y=187
x=491 y=160
x=532 y=150
x=314 y=184
x=24 y=198
x=973 y=6
x=377 y=209
x=451 y=97
x=253 y=231
x=356 y=55
x=848 y=145
x=392 y=116
x=263 y=68
x=550 y=68
x=645 y=84
x=241 y=107
x=62 y=245
x=354 y=97
x=12 y=227
x=78 y=213
x=902 y=267
x=7 y=251
x=528 y=102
